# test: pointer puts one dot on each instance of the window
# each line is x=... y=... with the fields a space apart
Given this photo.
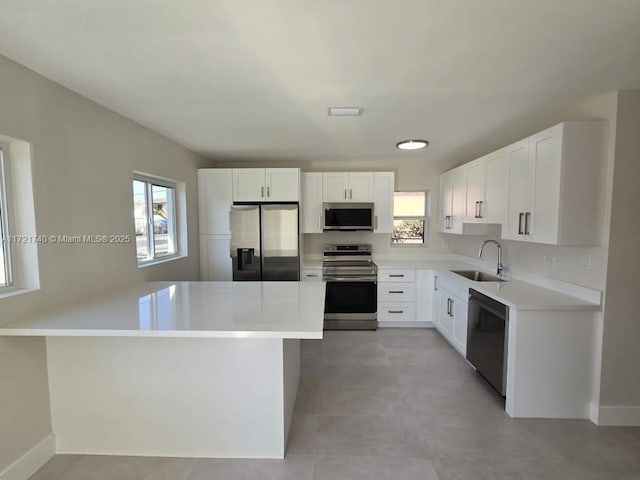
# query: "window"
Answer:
x=409 y=218
x=154 y=206
x=5 y=244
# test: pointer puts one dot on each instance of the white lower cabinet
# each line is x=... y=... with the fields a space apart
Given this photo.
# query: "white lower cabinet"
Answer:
x=215 y=258
x=312 y=274
x=396 y=295
x=450 y=312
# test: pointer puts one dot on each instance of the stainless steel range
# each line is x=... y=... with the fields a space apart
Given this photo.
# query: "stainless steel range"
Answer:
x=351 y=300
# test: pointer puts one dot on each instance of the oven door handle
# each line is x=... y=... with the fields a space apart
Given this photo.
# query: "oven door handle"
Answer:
x=350 y=279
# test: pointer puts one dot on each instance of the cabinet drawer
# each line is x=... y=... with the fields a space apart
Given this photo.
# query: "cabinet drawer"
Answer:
x=311 y=274
x=396 y=312
x=393 y=275
x=396 y=292
x=458 y=289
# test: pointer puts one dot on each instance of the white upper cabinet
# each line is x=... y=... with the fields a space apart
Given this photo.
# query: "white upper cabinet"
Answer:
x=453 y=198
x=494 y=207
x=384 y=187
x=214 y=200
x=475 y=190
x=312 y=202
x=348 y=187
x=266 y=184
x=555 y=191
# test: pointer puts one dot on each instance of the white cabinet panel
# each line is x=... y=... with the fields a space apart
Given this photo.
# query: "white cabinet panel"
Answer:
x=446 y=202
x=445 y=320
x=312 y=202
x=249 y=185
x=384 y=187
x=424 y=295
x=396 y=312
x=396 y=275
x=215 y=258
x=312 y=274
x=475 y=190
x=361 y=186
x=460 y=316
x=396 y=292
x=282 y=184
x=215 y=198
x=335 y=186
x=519 y=195
x=266 y=184
x=493 y=210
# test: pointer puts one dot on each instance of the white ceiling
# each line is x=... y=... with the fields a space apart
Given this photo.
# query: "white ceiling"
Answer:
x=252 y=79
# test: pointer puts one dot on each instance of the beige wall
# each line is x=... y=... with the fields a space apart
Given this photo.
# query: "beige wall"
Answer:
x=620 y=384
x=83 y=156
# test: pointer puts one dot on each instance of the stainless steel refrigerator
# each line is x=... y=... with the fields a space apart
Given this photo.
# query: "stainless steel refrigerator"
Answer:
x=265 y=242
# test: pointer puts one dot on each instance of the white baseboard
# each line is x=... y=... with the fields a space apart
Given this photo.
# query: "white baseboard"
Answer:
x=31 y=461
x=617 y=416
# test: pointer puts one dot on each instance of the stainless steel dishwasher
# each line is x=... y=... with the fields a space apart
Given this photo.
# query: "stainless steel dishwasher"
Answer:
x=487 y=338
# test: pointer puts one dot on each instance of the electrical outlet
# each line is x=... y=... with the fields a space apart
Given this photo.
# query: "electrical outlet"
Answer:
x=549 y=263
x=586 y=262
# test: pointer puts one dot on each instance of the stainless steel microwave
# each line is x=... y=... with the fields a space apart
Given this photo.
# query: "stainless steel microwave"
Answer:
x=348 y=217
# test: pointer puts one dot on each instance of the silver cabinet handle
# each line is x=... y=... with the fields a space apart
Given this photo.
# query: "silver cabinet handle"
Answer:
x=396 y=275
x=527 y=217
x=312 y=274
x=449 y=307
x=350 y=193
x=268 y=191
x=345 y=193
x=520 y=231
x=396 y=311
x=262 y=192
x=480 y=203
x=477 y=215
x=396 y=291
x=435 y=283
x=375 y=224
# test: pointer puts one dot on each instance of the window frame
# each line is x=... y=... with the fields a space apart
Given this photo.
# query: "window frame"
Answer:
x=5 y=221
x=426 y=217
x=150 y=181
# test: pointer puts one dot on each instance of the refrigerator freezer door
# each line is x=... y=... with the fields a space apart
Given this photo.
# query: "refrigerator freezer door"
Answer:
x=245 y=242
x=280 y=259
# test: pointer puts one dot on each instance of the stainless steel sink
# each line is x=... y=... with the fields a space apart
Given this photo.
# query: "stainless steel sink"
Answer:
x=477 y=276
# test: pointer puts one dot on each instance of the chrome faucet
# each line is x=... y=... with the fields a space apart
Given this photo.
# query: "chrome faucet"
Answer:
x=500 y=267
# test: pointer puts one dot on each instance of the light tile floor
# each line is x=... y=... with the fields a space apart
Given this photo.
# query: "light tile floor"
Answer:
x=396 y=404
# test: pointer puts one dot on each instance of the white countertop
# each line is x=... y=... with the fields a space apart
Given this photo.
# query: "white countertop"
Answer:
x=190 y=309
x=515 y=293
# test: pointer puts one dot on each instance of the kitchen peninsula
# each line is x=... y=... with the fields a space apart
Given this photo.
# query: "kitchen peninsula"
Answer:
x=194 y=369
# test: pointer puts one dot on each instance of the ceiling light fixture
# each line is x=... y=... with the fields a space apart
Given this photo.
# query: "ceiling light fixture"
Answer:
x=345 y=111
x=412 y=144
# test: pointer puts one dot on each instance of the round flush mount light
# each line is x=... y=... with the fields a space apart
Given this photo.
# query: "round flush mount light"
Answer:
x=412 y=144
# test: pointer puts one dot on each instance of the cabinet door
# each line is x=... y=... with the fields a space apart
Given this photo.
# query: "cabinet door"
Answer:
x=383 y=201
x=361 y=186
x=283 y=184
x=445 y=318
x=518 y=194
x=215 y=258
x=312 y=202
x=424 y=296
x=460 y=315
x=446 y=201
x=459 y=199
x=545 y=152
x=215 y=197
x=475 y=190
x=495 y=194
x=335 y=187
x=249 y=185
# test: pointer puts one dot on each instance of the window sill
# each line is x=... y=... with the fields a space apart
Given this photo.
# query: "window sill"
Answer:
x=158 y=261
x=7 y=292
